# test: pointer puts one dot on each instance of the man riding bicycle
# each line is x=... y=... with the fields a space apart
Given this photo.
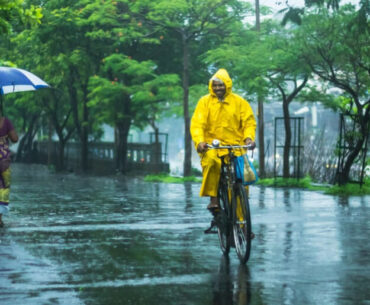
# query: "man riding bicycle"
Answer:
x=221 y=115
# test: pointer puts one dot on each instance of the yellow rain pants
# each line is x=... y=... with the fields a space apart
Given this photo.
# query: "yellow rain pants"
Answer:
x=5 y=190
x=211 y=166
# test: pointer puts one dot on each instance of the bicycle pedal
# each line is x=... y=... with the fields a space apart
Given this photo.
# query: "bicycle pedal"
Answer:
x=212 y=229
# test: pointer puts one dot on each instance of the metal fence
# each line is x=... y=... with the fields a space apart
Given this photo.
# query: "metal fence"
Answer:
x=141 y=157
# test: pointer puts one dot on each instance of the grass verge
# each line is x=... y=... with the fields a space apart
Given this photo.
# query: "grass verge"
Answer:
x=171 y=179
x=350 y=189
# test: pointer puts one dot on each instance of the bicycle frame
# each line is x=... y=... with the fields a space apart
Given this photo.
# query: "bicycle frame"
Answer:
x=228 y=168
x=233 y=221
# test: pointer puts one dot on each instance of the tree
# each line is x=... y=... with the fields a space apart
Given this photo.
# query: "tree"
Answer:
x=129 y=92
x=24 y=110
x=70 y=48
x=335 y=46
x=59 y=114
x=289 y=74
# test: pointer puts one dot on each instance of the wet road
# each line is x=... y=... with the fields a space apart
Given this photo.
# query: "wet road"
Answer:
x=115 y=240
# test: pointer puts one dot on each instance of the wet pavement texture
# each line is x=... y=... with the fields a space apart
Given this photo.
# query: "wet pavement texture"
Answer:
x=115 y=240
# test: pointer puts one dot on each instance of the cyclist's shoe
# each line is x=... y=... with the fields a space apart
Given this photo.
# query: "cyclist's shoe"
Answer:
x=212 y=229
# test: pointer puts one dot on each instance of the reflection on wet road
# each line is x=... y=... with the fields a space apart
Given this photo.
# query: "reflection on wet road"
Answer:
x=115 y=240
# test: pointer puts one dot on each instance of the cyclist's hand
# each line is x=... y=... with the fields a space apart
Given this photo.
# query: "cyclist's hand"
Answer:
x=249 y=142
x=202 y=147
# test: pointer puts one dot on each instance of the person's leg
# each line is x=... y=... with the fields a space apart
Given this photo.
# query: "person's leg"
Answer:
x=211 y=166
x=213 y=204
x=4 y=188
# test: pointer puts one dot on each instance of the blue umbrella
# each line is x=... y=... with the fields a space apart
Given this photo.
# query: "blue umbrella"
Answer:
x=17 y=80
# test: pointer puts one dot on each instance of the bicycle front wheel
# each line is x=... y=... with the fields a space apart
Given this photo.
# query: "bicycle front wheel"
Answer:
x=242 y=227
x=222 y=219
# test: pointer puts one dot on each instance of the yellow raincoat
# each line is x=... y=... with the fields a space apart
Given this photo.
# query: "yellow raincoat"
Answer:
x=231 y=121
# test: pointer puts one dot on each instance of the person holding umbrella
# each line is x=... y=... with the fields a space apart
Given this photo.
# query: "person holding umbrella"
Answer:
x=7 y=132
x=12 y=80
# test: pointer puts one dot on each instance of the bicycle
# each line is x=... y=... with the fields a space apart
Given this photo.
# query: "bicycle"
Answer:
x=233 y=220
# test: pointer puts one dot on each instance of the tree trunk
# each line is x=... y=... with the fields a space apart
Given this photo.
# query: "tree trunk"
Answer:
x=287 y=99
x=25 y=144
x=261 y=139
x=343 y=173
x=288 y=138
x=120 y=148
x=185 y=85
x=116 y=148
x=18 y=156
x=343 y=176
x=157 y=148
x=258 y=23
x=50 y=143
x=261 y=124
x=121 y=135
x=85 y=133
x=123 y=157
x=61 y=146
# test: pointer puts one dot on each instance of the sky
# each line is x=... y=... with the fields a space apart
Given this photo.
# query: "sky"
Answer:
x=277 y=5
x=280 y=4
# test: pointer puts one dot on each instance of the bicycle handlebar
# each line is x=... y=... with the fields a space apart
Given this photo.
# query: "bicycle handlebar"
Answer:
x=230 y=146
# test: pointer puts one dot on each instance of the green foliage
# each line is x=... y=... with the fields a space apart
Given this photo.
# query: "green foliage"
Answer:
x=261 y=61
x=341 y=55
x=131 y=90
x=14 y=11
x=196 y=172
x=319 y=93
x=165 y=178
x=286 y=182
x=350 y=189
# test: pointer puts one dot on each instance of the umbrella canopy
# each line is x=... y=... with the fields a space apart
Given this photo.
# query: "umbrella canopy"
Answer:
x=17 y=80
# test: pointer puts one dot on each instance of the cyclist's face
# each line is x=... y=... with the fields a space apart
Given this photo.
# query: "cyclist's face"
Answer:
x=218 y=88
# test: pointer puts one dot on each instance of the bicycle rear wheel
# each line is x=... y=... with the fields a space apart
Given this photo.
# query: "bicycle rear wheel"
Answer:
x=242 y=227
x=222 y=220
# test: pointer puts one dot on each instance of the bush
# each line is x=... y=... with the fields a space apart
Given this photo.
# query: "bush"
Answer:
x=196 y=172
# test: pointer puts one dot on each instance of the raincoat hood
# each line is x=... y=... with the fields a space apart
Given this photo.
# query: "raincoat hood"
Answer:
x=223 y=76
